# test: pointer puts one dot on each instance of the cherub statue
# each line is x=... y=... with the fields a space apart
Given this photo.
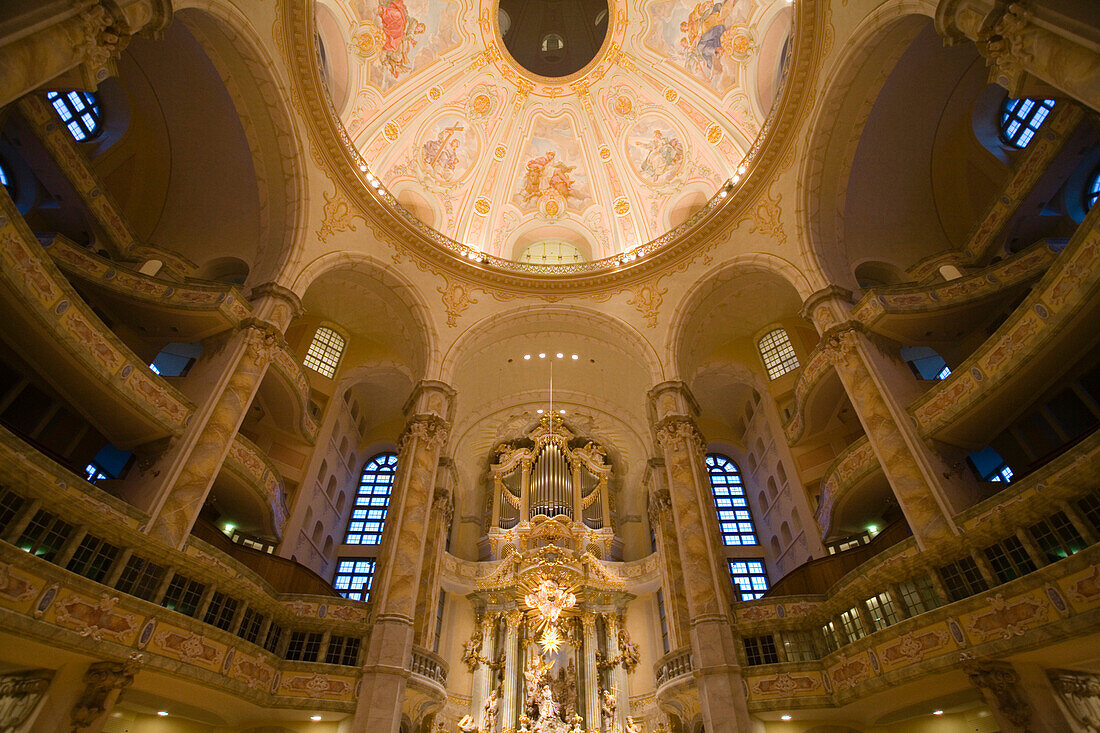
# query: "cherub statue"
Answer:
x=633 y=726
x=608 y=705
x=467 y=725
x=489 y=712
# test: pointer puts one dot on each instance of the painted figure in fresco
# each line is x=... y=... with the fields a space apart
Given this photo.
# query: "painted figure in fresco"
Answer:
x=544 y=174
x=703 y=29
x=441 y=154
x=399 y=33
x=663 y=157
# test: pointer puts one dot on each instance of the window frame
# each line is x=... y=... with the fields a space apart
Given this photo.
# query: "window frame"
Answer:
x=326 y=359
x=1009 y=114
x=354 y=573
x=750 y=592
x=89 y=107
x=777 y=355
x=371 y=502
x=729 y=496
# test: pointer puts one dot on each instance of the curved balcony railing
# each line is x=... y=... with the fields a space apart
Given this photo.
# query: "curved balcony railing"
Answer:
x=429 y=665
x=255 y=470
x=854 y=464
x=816 y=368
x=673 y=665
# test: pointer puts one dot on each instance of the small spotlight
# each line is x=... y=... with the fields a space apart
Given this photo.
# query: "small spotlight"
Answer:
x=561 y=412
x=741 y=169
x=937 y=712
x=561 y=355
x=784 y=717
x=722 y=194
x=735 y=179
x=363 y=168
x=539 y=411
x=376 y=183
x=575 y=357
x=542 y=356
x=315 y=718
x=162 y=713
x=527 y=357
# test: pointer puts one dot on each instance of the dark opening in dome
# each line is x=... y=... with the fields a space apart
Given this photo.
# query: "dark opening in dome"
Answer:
x=553 y=37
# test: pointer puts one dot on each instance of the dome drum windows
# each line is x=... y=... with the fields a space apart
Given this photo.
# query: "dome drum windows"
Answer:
x=79 y=112
x=325 y=351
x=777 y=353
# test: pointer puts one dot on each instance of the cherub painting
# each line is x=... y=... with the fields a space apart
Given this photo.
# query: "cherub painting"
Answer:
x=655 y=152
x=413 y=33
x=698 y=36
x=552 y=174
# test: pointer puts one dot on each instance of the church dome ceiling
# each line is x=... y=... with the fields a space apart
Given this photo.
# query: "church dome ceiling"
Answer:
x=553 y=170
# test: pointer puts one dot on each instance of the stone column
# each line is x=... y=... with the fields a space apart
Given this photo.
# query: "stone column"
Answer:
x=911 y=466
x=1021 y=697
x=591 y=678
x=1027 y=41
x=439 y=524
x=483 y=673
x=619 y=681
x=508 y=709
x=80 y=698
x=660 y=520
x=401 y=559
x=707 y=587
x=85 y=39
x=197 y=461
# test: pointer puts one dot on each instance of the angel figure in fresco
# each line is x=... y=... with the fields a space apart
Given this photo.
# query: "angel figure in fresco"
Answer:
x=441 y=154
x=561 y=180
x=399 y=33
x=538 y=177
x=663 y=157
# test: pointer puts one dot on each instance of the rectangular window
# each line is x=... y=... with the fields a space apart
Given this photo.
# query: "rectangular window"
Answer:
x=962 y=579
x=343 y=650
x=183 y=595
x=140 y=578
x=750 y=577
x=777 y=353
x=323 y=355
x=1089 y=505
x=883 y=611
x=664 y=620
x=10 y=504
x=93 y=558
x=303 y=646
x=919 y=595
x=1009 y=559
x=853 y=624
x=354 y=577
x=45 y=535
x=798 y=646
x=221 y=611
x=1057 y=537
x=761 y=650
x=251 y=624
x=828 y=634
x=274 y=636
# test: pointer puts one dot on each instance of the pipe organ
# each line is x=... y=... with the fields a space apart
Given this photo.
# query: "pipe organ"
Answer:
x=551 y=488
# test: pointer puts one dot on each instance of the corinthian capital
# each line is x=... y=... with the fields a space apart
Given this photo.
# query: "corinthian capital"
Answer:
x=262 y=341
x=675 y=431
x=840 y=343
x=431 y=431
x=659 y=503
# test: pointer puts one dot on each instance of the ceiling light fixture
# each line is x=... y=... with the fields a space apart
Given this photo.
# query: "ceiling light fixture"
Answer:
x=527 y=357
x=162 y=713
x=561 y=355
x=784 y=717
x=315 y=718
x=539 y=411
x=937 y=712
x=561 y=412
x=575 y=357
x=542 y=356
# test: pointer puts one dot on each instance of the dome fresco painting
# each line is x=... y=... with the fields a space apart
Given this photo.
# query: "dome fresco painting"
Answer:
x=604 y=159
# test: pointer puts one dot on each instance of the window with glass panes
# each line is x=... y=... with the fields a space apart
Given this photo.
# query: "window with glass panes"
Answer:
x=183 y=595
x=140 y=578
x=1092 y=189
x=882 y=609
x=6 y=180
x=79 y=112
x=777 y=352
x=1089 y=507
x=45 y=535
x=439 y=620
x=828 y=634
x=1009 y=559
x=664 y=620
x=1022 y=118
x=325 y=350
x=303 y=646
x=734 y=519
x=962 y=579
x=343 y=650
x=798 y=646
x=919 y=595
x=273 y=637
x=251 y=623
x=93 y=558
x=221 y=611
x=853 y=624
x=10 y=504
x=353 y=578
x=372 y=501
x=761 y=650
x=1057 y=537
x=750 y=577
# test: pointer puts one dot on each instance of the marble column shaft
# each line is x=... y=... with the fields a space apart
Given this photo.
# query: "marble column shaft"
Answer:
x=676 y=613
x=182 y=500
x=906 y=459
x=619 y=681
x=508 y=715
x=483 y=675
x=401 y=560
x=427 y=602
x=589 y=647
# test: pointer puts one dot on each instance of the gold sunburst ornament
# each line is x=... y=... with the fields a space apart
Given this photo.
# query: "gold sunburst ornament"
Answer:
x=547 y=601
x=551 y=640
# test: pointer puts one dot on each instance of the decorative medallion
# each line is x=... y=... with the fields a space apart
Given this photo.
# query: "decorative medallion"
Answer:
x=714 y=134
x=391 y=131
x=671 y=95
x=621 y=206
x=482 y=206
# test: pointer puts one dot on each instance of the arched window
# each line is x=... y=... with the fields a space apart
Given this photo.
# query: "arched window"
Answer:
x=778 y=353
x=372 y=501
x=734 y=519
x=1021 y=119
x=1092 y=189
x=325 y=351
x=6 y=180
x=79 y=111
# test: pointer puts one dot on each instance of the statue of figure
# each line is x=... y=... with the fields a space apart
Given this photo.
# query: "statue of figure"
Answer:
x=633 y=726
x=607 y=711
x=489 y=712
x=467 y=725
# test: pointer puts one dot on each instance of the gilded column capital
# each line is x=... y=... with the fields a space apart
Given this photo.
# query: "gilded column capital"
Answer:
x=101 y=679
x=513 y=619
x=840 y=342
x=660 y=503
x=262 y=340
x=588 y=620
